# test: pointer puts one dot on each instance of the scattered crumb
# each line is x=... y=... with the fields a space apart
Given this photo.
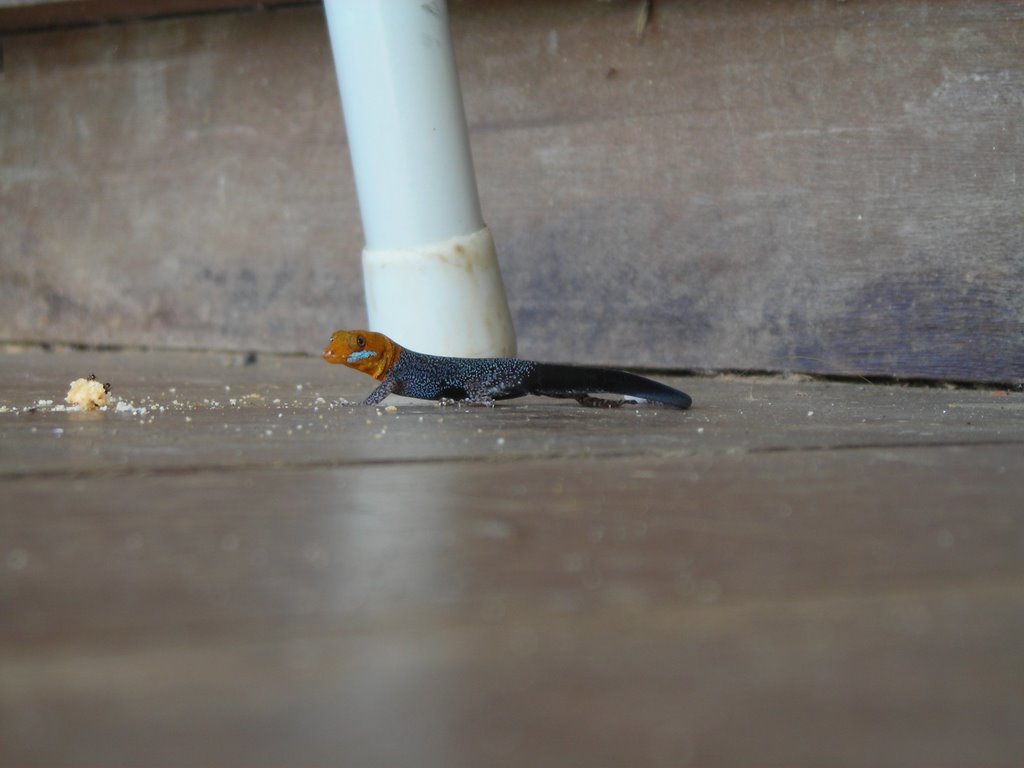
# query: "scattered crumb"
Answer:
x=392 y=409
x=87 y=394
x=123 y=406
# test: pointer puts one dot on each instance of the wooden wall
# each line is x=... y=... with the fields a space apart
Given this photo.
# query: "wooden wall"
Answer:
x=820 y=186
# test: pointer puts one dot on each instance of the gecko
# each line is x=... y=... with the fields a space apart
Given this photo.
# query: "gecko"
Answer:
x=482 y=381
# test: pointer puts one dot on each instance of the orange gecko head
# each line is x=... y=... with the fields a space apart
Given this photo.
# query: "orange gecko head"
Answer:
x=366 y=351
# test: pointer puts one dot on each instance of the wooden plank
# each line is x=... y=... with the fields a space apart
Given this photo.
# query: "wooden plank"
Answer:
x=232 y=549
x=170 y=145
x=582 y=611
x=798 y=188
x=829 y=188
x=834 y=569
x=929 y=679
x=204 y=410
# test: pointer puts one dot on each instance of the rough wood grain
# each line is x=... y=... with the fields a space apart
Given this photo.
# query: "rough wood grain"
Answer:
x=564 y=613
x=794 y=573
x=813 y=186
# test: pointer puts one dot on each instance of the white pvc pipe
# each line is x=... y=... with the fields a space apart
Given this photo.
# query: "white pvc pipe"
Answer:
x=429 y=266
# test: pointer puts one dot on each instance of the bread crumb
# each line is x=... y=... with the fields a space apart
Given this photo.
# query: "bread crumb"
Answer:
x=391 y=408
x=87 y=394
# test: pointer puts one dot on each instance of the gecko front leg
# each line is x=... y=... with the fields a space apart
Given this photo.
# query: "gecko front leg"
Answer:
x=386 y=387
x=479 y=400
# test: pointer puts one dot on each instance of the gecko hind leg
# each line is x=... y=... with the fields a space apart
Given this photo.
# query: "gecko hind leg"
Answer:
x=589 y=401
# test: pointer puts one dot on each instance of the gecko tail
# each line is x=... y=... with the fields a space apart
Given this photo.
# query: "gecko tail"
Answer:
x=579 y=381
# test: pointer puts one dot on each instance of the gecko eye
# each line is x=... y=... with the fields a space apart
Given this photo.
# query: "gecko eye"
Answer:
x=360 y=342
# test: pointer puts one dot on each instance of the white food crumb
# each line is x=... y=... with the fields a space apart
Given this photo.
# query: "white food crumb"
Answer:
x=122 y=407
x=86 y=394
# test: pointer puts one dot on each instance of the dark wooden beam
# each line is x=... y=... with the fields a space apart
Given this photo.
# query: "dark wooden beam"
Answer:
x=34 y=15
x=831 y=187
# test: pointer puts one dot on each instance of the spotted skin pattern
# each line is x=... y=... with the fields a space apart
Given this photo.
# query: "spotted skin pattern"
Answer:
x=481 y=381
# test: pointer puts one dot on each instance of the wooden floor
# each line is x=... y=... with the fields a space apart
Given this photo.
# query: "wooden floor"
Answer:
x=247 y=573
